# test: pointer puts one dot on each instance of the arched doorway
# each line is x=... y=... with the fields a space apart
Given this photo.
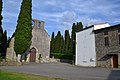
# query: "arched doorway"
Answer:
x=32 y=54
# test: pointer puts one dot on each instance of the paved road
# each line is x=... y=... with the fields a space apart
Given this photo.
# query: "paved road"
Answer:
x=66 y=71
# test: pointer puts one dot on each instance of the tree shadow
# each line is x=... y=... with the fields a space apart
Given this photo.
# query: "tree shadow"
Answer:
x=66 y=61
x=114 y=75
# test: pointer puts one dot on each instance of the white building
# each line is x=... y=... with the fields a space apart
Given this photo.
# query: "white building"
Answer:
x=85 y=45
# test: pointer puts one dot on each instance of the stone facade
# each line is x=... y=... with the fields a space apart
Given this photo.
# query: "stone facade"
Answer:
x=10 y=54
x=106 y=40
x=105 y=53
x=39 y=50
x=40 y=41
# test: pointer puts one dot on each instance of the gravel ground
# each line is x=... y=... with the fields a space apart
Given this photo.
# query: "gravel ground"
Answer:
x=66 y=71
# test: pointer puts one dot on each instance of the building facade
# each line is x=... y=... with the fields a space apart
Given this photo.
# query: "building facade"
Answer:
x=85 y=48
x=108 y=46
x=40 y=46
x=104 y=44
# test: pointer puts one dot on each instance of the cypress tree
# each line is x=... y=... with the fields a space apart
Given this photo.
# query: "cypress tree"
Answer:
x=4 y=41
x=4 y=44
x=52 y=43
x=75 y=28
x=62 y=44
x=67 y=41
x=73 y=39
x=57 y=42
x=79 y=26
x=1 y=36
x=1 y=30
x=23 y=31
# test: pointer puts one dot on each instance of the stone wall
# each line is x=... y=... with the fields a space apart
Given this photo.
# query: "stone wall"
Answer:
x=40 y=40
x=112 y=48
x=106 y=64
x=10 y=53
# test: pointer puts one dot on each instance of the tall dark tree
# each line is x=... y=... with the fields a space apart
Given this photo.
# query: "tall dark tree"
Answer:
x=1 y=30
x=4 y=41
x=52 y=43
x=73 y=39
x=4 y=44
x=57 y=42
x=1 y=36
x=67 y=41
x=79 y=26
x=75 y=28
x=62 y=46
x=23 y=31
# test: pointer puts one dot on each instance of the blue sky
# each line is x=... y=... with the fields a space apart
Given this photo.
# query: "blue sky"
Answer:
x=60 y=14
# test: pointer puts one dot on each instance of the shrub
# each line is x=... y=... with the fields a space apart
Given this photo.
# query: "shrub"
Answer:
x=62 y=56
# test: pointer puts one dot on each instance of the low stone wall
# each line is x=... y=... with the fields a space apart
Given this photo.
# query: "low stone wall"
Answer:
x=10 y=63
x=105 y=64
x=56 y=60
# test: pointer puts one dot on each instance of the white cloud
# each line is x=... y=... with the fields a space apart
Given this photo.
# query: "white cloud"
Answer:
x=60 y=14
x=48 y=15
x=10 y=14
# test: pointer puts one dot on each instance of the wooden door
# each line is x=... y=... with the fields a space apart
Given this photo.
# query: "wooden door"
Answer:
x=115 y=61
x=32 y=55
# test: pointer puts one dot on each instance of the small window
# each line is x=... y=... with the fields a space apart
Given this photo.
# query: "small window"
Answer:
x=106 y=41
x=106 y=33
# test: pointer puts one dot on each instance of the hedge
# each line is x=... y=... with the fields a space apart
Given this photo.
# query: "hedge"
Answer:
x=61 y=56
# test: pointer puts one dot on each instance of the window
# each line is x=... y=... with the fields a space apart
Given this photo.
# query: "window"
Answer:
x=106 y=41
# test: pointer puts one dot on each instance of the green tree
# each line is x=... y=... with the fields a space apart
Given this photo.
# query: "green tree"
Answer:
x=57 y=42
x=4 y=41
x=1 y=30
x=73 y=39
x=75 y=28
x=4 y=44
x=67 y=41
x=62 y=46
x=1 y=36
x=79 y=26
x=23 y=32
x=52 y=43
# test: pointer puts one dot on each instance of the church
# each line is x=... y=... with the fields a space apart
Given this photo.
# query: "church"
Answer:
x=39 y=50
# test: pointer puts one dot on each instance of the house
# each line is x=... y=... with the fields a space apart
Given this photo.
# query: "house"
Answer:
x=98 y=46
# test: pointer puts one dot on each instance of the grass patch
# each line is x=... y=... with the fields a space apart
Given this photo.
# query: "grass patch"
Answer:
x=6 y=75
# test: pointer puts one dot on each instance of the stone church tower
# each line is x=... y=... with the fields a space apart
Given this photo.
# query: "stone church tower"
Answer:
x=40 y=46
